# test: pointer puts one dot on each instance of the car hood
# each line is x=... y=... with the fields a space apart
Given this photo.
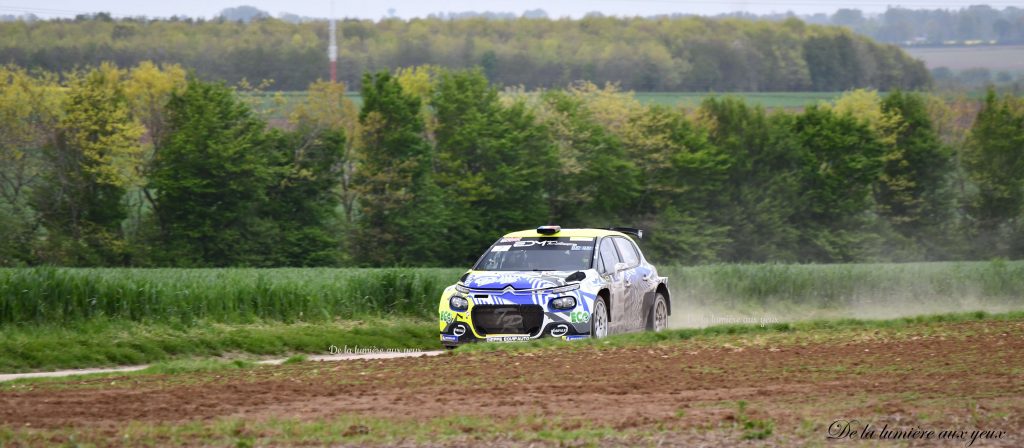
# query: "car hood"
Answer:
x=518 y=280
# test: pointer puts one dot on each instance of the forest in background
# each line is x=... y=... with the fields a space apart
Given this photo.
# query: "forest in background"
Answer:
x=900 y=25
x=149 y=166
x=642 y=54
x=897 y=25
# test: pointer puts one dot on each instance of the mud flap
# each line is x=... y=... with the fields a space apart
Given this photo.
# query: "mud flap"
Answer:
x=648 y=304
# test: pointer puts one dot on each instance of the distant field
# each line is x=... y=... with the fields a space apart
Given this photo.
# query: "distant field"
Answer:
x=279 y=105
x=994 y=57
x=786 y=100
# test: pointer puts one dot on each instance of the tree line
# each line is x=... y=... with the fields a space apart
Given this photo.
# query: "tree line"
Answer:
x=644 y=54
x=933 y=26
x=149 y=166
x=896 y=25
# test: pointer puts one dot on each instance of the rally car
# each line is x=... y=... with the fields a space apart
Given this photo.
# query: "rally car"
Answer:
x=554 y=282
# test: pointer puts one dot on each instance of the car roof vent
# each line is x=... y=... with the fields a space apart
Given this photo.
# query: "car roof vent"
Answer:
x=549 y=230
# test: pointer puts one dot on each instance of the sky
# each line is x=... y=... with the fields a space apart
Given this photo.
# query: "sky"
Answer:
x=376 y=9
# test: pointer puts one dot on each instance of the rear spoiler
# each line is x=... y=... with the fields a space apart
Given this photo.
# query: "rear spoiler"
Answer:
x=629 y=231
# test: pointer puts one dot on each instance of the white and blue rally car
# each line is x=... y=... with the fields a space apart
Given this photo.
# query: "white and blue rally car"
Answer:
x=563 y=283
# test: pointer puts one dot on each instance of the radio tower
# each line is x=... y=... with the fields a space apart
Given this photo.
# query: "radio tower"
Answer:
x=332 y=47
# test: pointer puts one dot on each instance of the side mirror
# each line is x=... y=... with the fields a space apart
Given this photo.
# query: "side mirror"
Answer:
x=576 y=276
x=619 y=267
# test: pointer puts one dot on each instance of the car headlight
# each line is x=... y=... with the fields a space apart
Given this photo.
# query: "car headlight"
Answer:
x=461 y=288
x=565 y=288
x=564 y=303
x=458 y=303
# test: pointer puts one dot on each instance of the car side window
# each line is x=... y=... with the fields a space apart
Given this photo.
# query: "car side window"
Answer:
x=608 y=256
x=628 y=251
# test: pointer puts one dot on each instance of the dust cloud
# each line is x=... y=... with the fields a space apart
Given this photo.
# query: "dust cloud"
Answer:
x=691 y=312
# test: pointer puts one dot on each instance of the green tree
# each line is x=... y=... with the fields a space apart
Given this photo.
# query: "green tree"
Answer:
x=681 y=180
x=30 y=108
x=833 y=62
x=327 y=110
x=841 y=159
x=300 y=226
x=149 y=88
x=913 y=191
x=402 y=212
x=596 y=182
x=760 y=196
x=994 y=159
x=210 y=176
x=494 y=161
x=93 y=159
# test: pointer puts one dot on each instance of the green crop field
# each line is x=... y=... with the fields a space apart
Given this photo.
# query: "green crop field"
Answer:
x=65 y=317
x=62 y=295
x=770 y=100
x=59 y=295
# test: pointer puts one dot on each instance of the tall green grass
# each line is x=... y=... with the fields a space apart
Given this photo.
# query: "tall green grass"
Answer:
x=896 y=288
x=61 y=295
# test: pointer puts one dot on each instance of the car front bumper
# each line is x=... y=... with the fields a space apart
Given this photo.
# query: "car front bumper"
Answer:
x=512 y=320
x=462 y=332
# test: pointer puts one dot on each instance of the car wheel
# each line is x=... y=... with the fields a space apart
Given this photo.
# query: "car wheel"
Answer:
x=599 y=319
x=658 y=319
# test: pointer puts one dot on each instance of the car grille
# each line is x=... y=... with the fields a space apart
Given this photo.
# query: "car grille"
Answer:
x=507 y=319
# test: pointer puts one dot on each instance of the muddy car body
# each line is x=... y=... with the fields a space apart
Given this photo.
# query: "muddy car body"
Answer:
x=553 y=282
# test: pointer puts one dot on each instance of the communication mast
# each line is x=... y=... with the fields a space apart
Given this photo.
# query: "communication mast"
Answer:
x=332 y=47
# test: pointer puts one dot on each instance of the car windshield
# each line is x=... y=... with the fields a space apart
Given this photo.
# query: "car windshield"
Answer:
x=538 y=254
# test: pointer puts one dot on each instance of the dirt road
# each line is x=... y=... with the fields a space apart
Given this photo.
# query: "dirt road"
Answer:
x=276 y=361
x=963 y=376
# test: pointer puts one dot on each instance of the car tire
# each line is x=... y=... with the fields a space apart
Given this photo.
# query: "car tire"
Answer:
x=657 y=319
x=599 y=319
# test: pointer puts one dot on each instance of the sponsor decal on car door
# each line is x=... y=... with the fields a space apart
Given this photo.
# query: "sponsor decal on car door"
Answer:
x=633 y=304
x=616 y=284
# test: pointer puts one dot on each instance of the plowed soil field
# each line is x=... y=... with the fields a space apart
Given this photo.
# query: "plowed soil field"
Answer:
x=778 y=389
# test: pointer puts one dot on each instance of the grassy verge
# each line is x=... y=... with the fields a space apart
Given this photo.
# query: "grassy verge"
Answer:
x=107 y=343
x=99 y=344
x=215 y=347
